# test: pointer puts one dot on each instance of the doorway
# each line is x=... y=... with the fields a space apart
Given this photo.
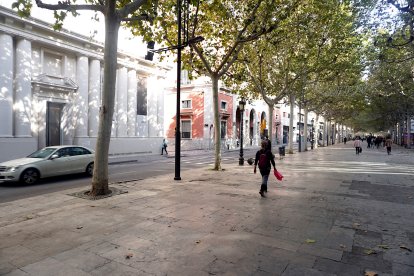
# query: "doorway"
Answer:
x=53 y=123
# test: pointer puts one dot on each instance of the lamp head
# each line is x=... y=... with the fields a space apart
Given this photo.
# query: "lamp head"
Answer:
x=242 y=104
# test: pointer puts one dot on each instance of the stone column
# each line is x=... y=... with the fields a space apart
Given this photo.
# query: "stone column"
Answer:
x=122 y=100
x=81 y=105
x=132 y=102
x=94 y=99
x=6 y=85
x=23 y=92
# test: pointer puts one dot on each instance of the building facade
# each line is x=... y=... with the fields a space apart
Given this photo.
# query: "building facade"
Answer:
x=51 y=86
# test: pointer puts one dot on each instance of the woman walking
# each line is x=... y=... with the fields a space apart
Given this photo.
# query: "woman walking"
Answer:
x=358 y=145
x=388 y=143
x=265 y=159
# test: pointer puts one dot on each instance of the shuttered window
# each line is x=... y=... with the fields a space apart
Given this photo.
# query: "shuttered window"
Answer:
x=186 y=129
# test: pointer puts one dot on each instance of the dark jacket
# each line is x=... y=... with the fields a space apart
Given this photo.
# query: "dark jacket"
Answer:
x=270 y=161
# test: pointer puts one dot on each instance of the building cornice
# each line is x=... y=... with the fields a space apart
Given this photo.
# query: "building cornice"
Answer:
x=43 y=33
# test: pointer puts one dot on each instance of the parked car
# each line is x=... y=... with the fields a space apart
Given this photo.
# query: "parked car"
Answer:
x=47 y=162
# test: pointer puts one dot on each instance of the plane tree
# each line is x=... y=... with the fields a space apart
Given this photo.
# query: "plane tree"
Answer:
x=226 y=27
x=316 y=42
x=115 y=12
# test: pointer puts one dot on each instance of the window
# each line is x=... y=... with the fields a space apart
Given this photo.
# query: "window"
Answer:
x=186 y=129
x=284 y=114
x=78 y=151
x=142 y=96
x=223 y=129
x=223 y=105
x=186 y=104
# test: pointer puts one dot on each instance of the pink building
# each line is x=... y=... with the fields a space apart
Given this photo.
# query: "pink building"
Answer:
x=197 y=116
x=197 y=119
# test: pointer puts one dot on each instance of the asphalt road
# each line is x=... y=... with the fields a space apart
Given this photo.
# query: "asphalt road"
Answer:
x=136 y=169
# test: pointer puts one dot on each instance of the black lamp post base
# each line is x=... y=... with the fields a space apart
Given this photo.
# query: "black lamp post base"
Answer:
x=241 y=161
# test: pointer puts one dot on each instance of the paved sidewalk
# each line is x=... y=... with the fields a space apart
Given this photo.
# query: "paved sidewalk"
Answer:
x=335 y=213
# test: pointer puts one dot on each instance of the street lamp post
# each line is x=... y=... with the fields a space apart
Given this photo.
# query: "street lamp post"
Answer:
x=242 y=104
x=312 y=134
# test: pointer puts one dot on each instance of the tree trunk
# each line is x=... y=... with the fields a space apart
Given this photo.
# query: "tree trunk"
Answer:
x=408 y=131
x=325 y=134
x=292 y=110
x=305 y=129
x=217 y=138
x=106 y=110
x=271 y=106
x=316 y=132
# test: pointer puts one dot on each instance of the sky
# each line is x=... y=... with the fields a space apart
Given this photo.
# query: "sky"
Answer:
x=83 y=24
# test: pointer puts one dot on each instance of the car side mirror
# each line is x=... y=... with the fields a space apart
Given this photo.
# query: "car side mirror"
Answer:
x=54 y=156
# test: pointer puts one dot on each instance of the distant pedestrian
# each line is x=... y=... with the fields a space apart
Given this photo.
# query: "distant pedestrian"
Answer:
x=358 y=145
x=345 y=140
x=369 y=141
x=388 y=144
x=164 y=147
x=265 y=160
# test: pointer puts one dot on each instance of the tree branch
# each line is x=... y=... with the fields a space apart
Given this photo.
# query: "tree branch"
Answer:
x=131 y=8
x=203 y=59
x=66 y=5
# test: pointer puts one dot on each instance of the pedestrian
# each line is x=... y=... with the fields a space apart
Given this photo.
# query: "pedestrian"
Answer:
x=369 y=141
x=164 y=147
x=265 y=160
x=358 y=145
x=345 y=140
x=388 y=143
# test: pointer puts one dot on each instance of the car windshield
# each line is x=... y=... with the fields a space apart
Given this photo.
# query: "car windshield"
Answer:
x=42 y=153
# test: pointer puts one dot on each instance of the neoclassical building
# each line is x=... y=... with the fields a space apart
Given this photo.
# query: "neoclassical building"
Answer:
x=51 y=85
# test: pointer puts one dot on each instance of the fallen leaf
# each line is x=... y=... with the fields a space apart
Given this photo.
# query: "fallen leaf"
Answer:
x=370 y=252
x=310 y=241
x=356 y=225
x=406 y=248
x=370 y=273
x=129 y=256
x=383 y=246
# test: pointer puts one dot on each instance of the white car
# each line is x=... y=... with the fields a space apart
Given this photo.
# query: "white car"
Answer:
x=46 y=162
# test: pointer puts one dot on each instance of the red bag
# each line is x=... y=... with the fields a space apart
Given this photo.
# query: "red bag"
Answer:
x=278 y=175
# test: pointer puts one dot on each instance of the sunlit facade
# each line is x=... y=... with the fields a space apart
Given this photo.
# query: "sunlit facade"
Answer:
x=51 y=86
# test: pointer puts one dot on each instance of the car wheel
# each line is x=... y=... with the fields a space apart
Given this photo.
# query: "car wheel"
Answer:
x=89 y=169
x=30 y=176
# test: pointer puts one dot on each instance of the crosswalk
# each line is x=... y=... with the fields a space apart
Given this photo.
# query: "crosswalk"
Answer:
x=355 y=167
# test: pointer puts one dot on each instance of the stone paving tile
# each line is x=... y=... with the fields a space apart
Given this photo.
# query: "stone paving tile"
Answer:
x=115 y=268
x=17 y=272
x=81 y=259
x=293 y=270
x=402 y=270
x=337 y=268
x=51 y=267
x=361 y=258
x=316 y=250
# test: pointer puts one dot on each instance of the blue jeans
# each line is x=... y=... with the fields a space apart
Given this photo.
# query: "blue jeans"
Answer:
x=263 y=187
